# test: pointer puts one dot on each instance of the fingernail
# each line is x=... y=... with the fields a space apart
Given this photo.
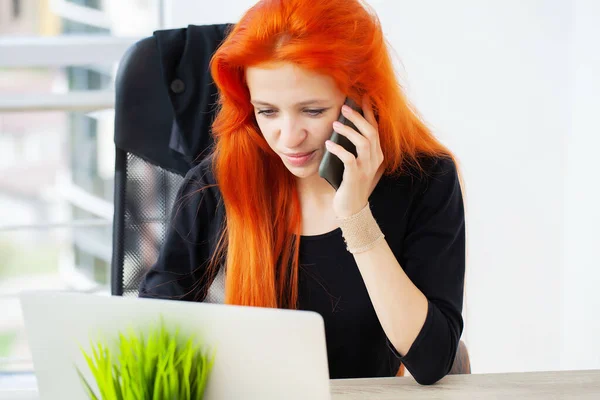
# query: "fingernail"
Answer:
x=337 y=124
x=346 y=109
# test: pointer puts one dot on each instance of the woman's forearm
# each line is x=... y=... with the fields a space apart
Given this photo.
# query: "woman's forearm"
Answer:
x=400 y=306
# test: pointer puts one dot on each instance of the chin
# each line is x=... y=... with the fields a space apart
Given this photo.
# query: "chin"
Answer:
x=302 y=172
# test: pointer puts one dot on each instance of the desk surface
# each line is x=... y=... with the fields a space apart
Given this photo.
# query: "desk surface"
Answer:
x=523 y=386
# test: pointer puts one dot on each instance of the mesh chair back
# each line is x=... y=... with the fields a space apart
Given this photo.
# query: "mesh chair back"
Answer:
x=147 y=194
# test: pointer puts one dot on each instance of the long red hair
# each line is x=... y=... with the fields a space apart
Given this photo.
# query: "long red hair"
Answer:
x=339 y=38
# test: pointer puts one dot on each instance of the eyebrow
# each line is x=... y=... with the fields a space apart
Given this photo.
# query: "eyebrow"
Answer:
x=302 y=103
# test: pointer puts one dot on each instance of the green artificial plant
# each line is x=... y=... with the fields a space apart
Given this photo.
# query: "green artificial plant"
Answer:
x=160 y=366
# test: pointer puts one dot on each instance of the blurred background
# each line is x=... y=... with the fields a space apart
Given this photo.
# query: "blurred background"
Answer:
x=58 y=60
x=509 y=86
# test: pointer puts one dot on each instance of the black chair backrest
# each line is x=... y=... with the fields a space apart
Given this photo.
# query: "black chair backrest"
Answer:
x=155 y=133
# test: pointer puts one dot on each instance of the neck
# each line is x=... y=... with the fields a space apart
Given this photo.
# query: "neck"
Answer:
x=316 y=201
x=315 y=190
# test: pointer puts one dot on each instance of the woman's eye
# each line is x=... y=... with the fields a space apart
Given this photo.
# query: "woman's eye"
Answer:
x=266 y=113
x=315 y=112
x=311 y=112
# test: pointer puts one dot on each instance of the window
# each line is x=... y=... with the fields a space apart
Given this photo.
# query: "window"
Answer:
x=56 y=168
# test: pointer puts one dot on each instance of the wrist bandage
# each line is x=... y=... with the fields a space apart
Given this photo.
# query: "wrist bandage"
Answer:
x=360 y=231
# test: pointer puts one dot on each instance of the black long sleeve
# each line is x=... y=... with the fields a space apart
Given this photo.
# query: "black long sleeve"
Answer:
x=422 y=218
x=434 y=259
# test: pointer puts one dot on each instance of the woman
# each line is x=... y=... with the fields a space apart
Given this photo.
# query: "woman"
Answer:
x=382 y=259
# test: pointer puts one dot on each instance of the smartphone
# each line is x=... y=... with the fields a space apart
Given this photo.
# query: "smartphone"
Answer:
x=332 y=168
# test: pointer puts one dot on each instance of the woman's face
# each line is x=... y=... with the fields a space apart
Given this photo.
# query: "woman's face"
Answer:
x=295 y=110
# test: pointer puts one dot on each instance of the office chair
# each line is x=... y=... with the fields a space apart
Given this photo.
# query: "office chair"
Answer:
x=462 y=362
x=163 y=110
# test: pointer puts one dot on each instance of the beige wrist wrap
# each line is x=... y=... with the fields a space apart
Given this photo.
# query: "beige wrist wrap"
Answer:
x=360 y=231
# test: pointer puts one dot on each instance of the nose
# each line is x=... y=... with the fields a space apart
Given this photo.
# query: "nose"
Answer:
x=291 y=133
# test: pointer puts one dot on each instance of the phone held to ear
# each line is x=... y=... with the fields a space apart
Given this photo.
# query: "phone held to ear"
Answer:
x=332 y=168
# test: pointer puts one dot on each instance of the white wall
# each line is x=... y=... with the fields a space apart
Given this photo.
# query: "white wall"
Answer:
x=495 y=82
x=485 y=74
x=581 y=276
x=182 y=12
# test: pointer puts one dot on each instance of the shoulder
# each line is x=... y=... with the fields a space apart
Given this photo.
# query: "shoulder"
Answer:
x=437 y=173
x=437 y=190
x=198 y=196
x=200 y=179
x=425 y=188
x=202 y=173
x=424 y=174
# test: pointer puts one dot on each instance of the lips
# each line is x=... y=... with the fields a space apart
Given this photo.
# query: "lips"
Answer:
x=299 y=159
x=298 y=155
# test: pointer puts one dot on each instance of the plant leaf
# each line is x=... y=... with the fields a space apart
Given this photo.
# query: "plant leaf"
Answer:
x=87 y=386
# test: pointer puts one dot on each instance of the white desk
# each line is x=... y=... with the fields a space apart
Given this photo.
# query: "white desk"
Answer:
x=579 y=385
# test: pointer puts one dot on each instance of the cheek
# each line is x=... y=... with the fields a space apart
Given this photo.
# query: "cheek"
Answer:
x=321 y=130
x=264 y=129
x=267 y=132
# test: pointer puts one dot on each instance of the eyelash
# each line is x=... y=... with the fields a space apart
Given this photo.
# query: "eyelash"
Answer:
x=312 y=112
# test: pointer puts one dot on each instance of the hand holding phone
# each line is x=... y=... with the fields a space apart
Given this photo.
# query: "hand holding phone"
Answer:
x=332 y=168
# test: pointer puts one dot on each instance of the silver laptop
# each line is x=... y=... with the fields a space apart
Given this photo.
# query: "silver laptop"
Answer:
x=259 y=353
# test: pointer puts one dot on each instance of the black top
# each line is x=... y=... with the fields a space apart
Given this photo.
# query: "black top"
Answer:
x=422 y=217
